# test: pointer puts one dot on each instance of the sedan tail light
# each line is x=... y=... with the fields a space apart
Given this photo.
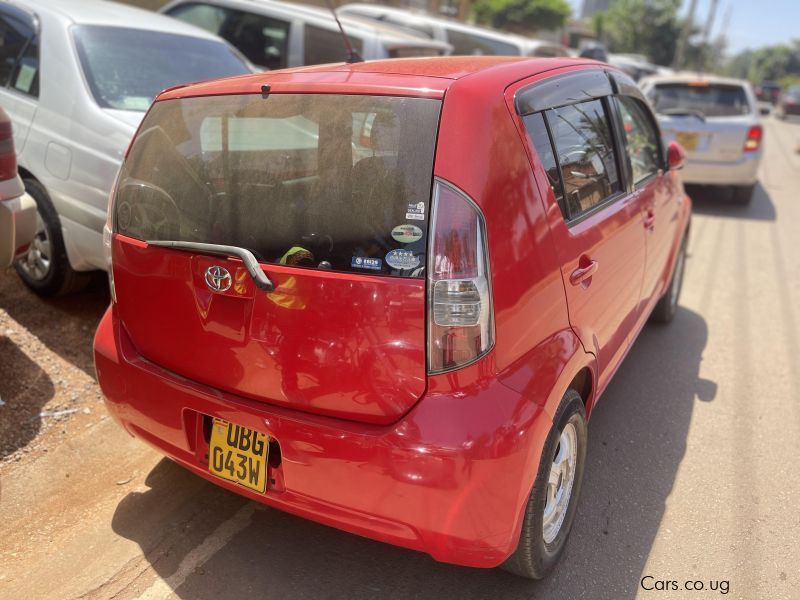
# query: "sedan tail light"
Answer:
x=460 y=314
x=754 y=136
x=8 y=157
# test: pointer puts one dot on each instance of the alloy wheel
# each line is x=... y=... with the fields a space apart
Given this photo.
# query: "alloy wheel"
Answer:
x=560 y=482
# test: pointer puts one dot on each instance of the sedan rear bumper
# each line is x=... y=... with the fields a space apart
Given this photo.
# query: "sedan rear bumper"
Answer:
x=451 y=478
x=739 y=172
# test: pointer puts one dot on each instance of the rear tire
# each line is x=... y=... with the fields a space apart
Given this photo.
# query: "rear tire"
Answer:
x=667 y=306
x=742 y=194
x=544 y=532
x=45 y=268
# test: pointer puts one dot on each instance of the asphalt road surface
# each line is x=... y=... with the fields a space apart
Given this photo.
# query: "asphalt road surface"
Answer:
x=692 y=474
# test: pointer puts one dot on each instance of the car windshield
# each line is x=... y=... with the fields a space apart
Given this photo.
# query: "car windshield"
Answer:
x=712 y=100
x=341 y=182
x=127 y=68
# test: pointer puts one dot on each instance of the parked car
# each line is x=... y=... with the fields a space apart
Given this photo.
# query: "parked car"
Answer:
x=768 y=91
x=17 y=208
x=274 y=35
x=717 y=121
x=637 y=66
x=386 y=343
x=77 y=77
x=789 y=103
x=465 y=39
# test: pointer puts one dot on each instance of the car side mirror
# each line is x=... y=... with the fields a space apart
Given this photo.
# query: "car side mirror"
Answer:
x=676 y=156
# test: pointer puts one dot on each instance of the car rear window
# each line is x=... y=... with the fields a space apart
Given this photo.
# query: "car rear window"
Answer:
x=126 y=68
x=312 y=180
x=713 y=100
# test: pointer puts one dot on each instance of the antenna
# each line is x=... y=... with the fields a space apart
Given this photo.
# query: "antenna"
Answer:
x=352 y=55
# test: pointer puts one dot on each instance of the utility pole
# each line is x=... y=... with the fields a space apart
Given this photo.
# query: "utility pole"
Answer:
x=712 y=13
x=680 y=52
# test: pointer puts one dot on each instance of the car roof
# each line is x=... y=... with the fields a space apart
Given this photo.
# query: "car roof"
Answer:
x=112 y=14
x=693 y=78
x=424 y=77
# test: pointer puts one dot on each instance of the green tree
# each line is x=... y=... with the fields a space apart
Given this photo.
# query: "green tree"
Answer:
x=522 y=16
x=649 y=27
x=776 y=63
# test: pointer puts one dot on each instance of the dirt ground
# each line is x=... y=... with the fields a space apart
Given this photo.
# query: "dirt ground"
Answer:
x=47 y=383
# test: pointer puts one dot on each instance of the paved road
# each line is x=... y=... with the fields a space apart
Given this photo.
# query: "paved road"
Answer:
x=693 y=470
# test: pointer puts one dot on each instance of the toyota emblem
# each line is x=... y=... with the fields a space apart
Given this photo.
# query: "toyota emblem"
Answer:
x=218 y=279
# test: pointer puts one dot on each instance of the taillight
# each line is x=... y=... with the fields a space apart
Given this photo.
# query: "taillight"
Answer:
x=108 y=230
x=460 y=315
x=8 y=157
x=753 y=141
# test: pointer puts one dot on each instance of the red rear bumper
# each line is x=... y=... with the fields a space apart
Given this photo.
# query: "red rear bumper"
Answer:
x=450 y=478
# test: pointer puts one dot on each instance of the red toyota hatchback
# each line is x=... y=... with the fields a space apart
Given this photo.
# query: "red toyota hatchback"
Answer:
x=387 y=296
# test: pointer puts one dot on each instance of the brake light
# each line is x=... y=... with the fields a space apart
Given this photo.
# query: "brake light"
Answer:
x=8 y=157
x=460 y=314
x=108 y=230
x=754 y=136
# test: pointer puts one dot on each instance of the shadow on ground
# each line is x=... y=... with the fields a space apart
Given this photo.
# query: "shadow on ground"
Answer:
x=717 y=201
x=637 y=442
x=24 y=389
x=65 y=325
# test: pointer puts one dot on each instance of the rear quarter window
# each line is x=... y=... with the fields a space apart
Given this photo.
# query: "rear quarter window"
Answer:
x=585 y=147
x=318 y=181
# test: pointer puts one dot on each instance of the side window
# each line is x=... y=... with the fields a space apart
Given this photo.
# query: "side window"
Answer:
x=19 y=53
x=537 y=130
x=263 y=40
x=204 y=16
x=26 y=74
x=585 y=148
x=641 y=138
x=326 y=45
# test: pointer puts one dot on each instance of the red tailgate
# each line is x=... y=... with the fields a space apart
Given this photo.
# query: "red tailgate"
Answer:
x=331 y=343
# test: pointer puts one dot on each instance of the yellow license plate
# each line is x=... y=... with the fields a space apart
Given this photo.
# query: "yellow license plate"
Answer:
x=688 y=140
x=238 y=454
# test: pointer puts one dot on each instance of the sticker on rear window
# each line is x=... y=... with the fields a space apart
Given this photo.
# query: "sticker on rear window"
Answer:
x=405 y=234
x=415 y=211
x=402 y=259
x=362 y=262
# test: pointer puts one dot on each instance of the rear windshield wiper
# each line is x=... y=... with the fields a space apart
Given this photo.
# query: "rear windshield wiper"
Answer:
x=684 y=112
x=250 y=263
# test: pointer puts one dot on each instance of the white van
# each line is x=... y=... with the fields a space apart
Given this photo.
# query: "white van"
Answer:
x=275 y=35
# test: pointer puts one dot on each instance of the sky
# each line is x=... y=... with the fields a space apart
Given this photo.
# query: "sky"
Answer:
x=753 y=23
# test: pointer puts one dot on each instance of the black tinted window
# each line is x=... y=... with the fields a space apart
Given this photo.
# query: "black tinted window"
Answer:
x=127 y=68
x=537 y=130
x=297 y=179
x=641 y=138
x=263 y=40
x=16 y=31
x=326 y=46
x=467 y=43
x=585 y=147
